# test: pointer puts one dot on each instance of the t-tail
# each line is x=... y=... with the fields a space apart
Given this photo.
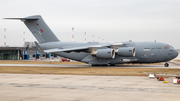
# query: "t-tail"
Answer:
x=38 y=28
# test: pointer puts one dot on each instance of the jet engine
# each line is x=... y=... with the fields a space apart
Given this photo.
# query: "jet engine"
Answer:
x=104 y=53
x=126 y=51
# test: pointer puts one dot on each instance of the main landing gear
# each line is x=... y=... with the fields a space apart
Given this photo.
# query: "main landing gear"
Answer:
x=166 y=64
x=99 y=65
x=102 y=64
x=112 y=64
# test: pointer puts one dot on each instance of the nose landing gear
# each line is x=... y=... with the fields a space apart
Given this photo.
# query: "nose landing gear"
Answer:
x=166 y=64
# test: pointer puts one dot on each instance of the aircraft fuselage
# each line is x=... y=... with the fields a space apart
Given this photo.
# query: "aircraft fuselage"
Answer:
x=145 y=52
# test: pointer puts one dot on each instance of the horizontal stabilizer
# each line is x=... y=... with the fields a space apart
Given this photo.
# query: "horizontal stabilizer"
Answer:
x=27 y=18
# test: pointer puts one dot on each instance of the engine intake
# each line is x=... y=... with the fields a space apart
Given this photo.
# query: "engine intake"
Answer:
x=126 y=51
x=104 y=53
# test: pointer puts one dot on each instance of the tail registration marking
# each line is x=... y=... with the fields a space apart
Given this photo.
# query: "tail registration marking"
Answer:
x=40 y=33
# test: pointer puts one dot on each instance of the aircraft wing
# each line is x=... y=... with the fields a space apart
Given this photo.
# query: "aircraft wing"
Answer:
x=65 y=50
x=69 y=49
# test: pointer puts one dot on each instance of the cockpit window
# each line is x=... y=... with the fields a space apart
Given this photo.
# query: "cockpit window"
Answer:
x=166 y=47
x=172 y=47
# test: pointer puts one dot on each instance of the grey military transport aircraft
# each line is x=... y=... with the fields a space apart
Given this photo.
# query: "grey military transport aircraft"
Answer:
x=95 y=53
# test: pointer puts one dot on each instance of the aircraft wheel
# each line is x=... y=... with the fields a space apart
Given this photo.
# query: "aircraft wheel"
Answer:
x=166 y=64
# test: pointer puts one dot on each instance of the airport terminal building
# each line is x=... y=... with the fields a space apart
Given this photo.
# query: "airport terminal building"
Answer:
x=21 y=53
x=15 y=53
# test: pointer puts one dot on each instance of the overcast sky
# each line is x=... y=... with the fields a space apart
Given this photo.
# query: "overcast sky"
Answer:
x=111 y=20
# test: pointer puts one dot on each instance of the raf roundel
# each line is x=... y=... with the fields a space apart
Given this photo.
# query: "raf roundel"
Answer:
x=42 y=30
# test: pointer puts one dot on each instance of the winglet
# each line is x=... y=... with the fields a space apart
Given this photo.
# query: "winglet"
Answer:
x=38 y=47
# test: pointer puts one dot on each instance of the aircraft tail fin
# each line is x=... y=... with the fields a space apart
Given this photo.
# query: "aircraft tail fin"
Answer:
x=38 y=47
x=38 y=28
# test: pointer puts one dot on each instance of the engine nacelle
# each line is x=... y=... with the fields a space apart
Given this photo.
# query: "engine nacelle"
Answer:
x=126 y=51
x=104 y=53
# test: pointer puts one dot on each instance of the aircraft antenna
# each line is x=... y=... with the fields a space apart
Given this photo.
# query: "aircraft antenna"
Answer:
x=73 y=34
x=23 y=39
x=4 y=37
x=85 y=36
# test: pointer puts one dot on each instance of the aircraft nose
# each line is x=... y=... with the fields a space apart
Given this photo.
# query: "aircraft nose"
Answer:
x=175 y=53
